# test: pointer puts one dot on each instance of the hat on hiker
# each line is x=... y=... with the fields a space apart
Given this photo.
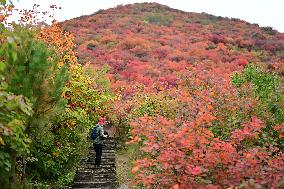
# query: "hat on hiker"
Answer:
x=102 y=120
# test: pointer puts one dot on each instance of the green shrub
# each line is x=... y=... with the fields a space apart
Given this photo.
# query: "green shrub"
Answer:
x=159 y=19
x=268 y=89
x=14 y=111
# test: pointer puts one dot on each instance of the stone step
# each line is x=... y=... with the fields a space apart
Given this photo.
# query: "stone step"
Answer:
x=105 y=145
x=93 y=154
x=105 y=187
x=104 y=157
x=108 y=141
x=103 y=152
x=84 y=168
x=108 y=146
x=102 y=163
x=97 y=174
x=107 y=156
x=103 y=160
x=98 y=180
x=108 y=150
x=110 y=177
x=102 y=169
x=104 y=149
x=103 y=177
x=108 y=174
x=92 y=184
x=92 y=166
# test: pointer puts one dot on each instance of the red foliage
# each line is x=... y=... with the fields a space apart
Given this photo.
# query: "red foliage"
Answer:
x=250 y=131
x=151 y=48
x=189 y=155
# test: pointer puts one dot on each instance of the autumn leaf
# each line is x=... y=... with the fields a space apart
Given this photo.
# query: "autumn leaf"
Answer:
x=2 y=141
x=176 y=186
x=135 y=169
x=196 y=171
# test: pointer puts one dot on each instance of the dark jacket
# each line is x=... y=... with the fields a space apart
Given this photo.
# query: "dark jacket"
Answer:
x=101 y=135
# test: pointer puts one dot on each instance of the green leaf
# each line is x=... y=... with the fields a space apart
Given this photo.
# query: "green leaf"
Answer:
x=3 y=85
x=14 y=56
x=2 y=66
x=3 y=2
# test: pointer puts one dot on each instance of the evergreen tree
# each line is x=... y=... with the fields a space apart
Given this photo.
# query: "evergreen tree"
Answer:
x=32 y=70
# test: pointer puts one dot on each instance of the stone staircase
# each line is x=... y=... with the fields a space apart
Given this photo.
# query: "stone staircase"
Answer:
x=103 y=177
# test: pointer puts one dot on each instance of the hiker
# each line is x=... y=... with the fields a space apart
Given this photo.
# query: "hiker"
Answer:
x=98 y=135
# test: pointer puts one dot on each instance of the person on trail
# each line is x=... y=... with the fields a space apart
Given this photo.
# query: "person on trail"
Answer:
x=98 y=135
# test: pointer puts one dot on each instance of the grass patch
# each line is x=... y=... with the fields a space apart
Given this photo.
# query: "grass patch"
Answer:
x=159 y=19
x=124 y=158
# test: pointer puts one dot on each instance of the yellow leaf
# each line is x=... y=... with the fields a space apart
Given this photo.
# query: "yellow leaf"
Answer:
x=55 y=154
x=2 y=141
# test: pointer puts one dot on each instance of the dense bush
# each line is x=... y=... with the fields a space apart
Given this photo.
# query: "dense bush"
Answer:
x=14 y=112
x=192 y=152
x=57 y=102
x=195 y=125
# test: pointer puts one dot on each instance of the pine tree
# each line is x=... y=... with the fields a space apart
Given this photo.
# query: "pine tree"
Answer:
x=32 y=70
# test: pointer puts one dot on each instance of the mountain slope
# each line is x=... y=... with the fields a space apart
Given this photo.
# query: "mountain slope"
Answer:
x=192 y=122
x=149 y=42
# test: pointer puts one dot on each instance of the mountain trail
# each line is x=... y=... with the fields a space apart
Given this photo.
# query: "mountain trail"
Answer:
x=103 y=177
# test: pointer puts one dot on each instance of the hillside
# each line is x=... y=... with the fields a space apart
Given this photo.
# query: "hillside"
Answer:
x=192 y=101
x=199 y=98
x=149 y=43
